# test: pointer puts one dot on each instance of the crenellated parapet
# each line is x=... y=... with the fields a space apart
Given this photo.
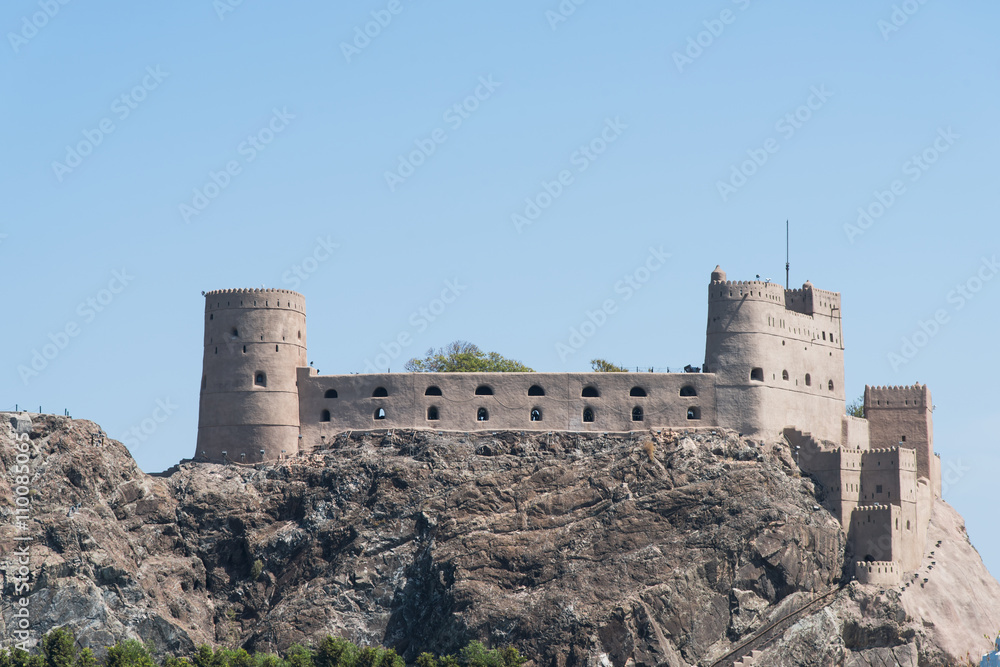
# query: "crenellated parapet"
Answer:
x=879 y=572
x=254 y=298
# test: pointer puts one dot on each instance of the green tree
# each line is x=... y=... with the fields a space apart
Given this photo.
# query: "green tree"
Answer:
x=268 y=660
x=129 y=653
x=21 y=658
x=464 y=357
x=603 y=366
x=59 y=648
x=856 y=408
x=299 y=656
x=205 y=657
x=173 y=661
x=427 y=660
x=336 y=652
x=85 y=658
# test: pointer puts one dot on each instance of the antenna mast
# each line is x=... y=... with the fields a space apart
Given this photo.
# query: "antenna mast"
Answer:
x=787 y=283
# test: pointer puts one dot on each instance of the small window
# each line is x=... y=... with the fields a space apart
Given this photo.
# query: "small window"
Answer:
x=324 y=416
x=809 y=380
x=588 y=415
x=536 y=414
x=432 y=414
x=300 y=335
x=878 y=488
x=637 y=414
x=902 y=438
x=590 y=392
x=260 y=379
x=757 y=375
x=688 y=390
x=212 y=316
x=637 y=391
x=380 y=413
x=829 y=385
x=204 y=381
x=694 y=413
x=235 y=333
x=244 y=349
x=483 y=415
x=535 y=390
x=380 y=392
x=275 y=348
x=330 y=393
x=784 y=375
x=432 y=391
x=484 y=390
x=824 y=335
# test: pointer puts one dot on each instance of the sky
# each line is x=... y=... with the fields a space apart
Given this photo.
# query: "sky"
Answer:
x=531 y=157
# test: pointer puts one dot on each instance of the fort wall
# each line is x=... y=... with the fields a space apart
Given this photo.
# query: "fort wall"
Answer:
x=331 y=404
x=883 y=573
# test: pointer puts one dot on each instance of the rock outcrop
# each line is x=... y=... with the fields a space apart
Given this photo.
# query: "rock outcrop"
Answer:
x=666 y=549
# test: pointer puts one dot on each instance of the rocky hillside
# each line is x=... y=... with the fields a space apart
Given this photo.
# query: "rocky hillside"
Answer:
x=671 y=549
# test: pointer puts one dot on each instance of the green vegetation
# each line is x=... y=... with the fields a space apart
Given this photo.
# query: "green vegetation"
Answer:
x=58 y=649
x=464 y=357
x=603 y=366
x=856 y=408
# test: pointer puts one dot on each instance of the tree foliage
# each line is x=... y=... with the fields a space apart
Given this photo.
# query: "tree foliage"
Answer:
x=58 y=649
x=604 y=366
x=856 y=408
x=464 y=357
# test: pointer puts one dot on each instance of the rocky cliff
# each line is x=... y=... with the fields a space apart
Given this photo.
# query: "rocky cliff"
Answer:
x=669 y=549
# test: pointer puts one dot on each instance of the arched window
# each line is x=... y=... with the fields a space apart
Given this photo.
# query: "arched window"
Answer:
x=535 y=390
x=829 y=385
x=433 y=391
x=483 y=415
x=590 y=392
x=330 y=393
x=637 y=391
x=809 y=380
x=324 y=416
x=694 y=413
x=432 y=414
x=536 y=414
x=688 y=390
x=757 y=375
x=784 y=375
x=484 y=390
x=260 y=379
x=588 y=415
x=637 y=414
x=380 y=392
x=380 y=413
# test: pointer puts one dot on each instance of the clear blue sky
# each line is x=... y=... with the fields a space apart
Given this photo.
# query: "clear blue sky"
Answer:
x=114 y=114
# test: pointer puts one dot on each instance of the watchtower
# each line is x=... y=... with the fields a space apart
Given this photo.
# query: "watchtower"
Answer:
x=778 y=355
x=249 y=407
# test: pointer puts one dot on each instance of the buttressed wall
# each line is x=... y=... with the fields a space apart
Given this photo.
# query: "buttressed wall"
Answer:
x=254 y=342
x=778 y=356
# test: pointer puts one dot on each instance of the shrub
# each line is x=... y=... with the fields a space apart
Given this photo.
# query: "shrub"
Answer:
x=129 y=653
x=59 y=648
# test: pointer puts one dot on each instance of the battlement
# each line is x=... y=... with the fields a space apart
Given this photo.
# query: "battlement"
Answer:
x=879 y=572
x=254 y=298
x=912 y=396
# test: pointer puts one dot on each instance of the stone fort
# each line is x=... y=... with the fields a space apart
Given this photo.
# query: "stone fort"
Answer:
x=773 y=371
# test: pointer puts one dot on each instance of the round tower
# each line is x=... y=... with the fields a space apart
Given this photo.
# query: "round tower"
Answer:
x=255 y=339
x=778 y=356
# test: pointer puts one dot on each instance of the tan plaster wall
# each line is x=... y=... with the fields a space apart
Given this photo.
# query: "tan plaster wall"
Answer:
x=509 y=407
